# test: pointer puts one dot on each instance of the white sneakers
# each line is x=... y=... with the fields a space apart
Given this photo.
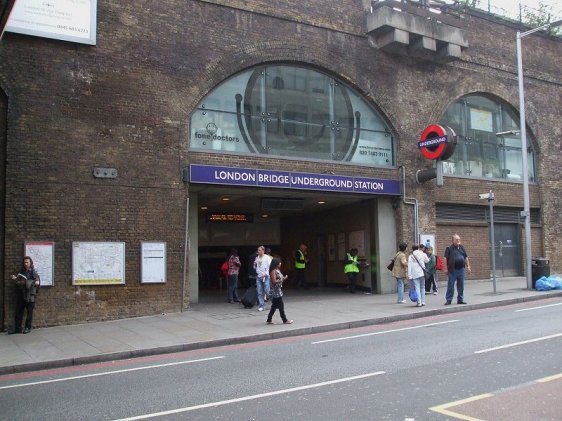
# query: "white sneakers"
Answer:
x=260 y=309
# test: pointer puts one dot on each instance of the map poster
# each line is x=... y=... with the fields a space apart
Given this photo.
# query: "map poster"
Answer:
x=42 y=254
x=98 y=263
x=153 y=262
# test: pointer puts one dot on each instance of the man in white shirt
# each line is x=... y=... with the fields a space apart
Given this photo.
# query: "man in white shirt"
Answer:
x=261 y=264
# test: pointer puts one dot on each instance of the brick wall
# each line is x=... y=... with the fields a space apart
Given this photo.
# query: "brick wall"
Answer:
x=125 y=103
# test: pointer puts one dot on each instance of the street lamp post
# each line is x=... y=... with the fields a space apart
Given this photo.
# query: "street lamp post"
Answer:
x=526 y=209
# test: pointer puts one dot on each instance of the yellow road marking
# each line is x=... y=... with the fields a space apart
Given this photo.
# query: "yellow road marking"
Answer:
x=550 y=378
x=443 y=409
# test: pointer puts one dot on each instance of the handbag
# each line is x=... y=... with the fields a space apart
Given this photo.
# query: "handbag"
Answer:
x=390 y=265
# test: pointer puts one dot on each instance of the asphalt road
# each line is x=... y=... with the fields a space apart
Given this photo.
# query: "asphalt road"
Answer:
x=481 y=364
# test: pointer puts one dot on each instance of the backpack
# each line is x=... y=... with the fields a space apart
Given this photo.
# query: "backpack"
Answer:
x=224 y=268
x=438 y=263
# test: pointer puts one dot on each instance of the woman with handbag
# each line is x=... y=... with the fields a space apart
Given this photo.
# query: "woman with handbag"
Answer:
x=416 y=272
x=400 y=266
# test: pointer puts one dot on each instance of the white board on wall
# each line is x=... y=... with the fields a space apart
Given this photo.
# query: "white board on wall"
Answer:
x=98 y=263
x=66 y=20
x=42 y=254
x=153 y=262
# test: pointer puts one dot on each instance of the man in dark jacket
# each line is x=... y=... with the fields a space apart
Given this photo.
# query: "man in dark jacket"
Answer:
x=457 y=262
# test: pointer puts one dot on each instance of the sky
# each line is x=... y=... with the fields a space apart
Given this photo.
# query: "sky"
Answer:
x=511 y=7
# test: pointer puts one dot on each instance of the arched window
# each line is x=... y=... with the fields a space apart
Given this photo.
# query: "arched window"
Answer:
x=489 y=144
x=291 y=111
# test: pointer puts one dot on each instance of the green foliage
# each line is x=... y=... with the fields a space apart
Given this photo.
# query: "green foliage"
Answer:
x=540 y=16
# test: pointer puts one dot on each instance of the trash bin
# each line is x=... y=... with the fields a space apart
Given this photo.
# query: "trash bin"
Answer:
x=540 y=268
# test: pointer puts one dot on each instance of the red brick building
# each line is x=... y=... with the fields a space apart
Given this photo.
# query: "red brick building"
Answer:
x=102 y=143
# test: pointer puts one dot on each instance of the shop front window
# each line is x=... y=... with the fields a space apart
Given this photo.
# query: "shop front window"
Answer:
x=480 y=151
x=291 y=111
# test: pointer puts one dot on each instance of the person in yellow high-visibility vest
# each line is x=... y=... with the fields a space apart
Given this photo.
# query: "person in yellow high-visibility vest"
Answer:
x=351 y=268
x=300 y=266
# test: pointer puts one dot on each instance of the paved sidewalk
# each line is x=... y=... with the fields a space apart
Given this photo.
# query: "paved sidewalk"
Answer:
x=215 y=323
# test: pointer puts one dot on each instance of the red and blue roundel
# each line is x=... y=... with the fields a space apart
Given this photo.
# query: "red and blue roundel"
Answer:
x=437 y=142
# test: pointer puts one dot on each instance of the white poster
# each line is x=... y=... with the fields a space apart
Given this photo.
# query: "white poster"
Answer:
x=98 y=263
x=42 y=254
x=67 y=20
x=153 y=263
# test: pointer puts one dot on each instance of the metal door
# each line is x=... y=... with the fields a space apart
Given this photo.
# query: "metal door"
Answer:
x=508 y=253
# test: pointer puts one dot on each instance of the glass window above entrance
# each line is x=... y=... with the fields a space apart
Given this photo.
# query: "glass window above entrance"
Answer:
x=291 y=111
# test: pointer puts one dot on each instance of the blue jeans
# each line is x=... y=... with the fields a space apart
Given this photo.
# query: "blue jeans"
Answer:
x=232 y=285
x=456 y=276
x=262 y=286
x=419 y=284
x=400 y=289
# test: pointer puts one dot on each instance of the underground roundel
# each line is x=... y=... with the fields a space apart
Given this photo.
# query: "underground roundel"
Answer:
x=437 y=142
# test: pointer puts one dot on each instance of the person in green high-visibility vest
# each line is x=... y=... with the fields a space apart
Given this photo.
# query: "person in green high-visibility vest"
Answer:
x=351 y=268
x=300 y=266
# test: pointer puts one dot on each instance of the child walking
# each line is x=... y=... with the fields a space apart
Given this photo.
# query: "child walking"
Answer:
x=277 y=279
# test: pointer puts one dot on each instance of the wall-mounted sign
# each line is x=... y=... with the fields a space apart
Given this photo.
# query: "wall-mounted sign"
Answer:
x=437 y=142
x=67 y=20
x=153 y=262
x=208 y=174
x=230 y=217
x=98 y=263
x=42 y=253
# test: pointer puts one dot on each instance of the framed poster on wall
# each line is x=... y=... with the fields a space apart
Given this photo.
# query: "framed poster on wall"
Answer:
x=42 y=254
x=153 y=262
x=98 y=263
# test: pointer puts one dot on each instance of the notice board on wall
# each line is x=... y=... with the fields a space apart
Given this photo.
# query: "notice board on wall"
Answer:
x=42 y=254
x=153 y=262
x=98 y=263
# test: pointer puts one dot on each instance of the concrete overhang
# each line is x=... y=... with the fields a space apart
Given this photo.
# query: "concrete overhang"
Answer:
x=406 y=33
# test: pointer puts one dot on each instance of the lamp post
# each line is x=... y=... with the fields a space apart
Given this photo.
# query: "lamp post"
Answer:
x=526 y=209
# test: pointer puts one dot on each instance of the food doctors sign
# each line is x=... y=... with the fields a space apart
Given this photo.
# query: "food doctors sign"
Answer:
x=437 y=142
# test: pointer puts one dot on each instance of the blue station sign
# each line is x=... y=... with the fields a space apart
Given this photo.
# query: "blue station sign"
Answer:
x=209 y=174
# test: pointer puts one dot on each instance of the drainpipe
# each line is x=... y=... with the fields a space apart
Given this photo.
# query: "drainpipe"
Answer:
x=410 y=201
x=185 y=252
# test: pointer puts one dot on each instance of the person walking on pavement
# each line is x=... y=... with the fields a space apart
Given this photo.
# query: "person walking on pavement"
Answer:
x=233 y=272
x=27 y=284
x=400 y=269
x=277 y=279
x=261 y=264
x=457 y=262
x=416 y=266
x=300 y=266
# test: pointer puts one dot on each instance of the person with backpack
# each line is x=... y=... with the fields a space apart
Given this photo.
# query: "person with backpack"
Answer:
x=232 y=276
x=457 y=263
x=431 y=266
